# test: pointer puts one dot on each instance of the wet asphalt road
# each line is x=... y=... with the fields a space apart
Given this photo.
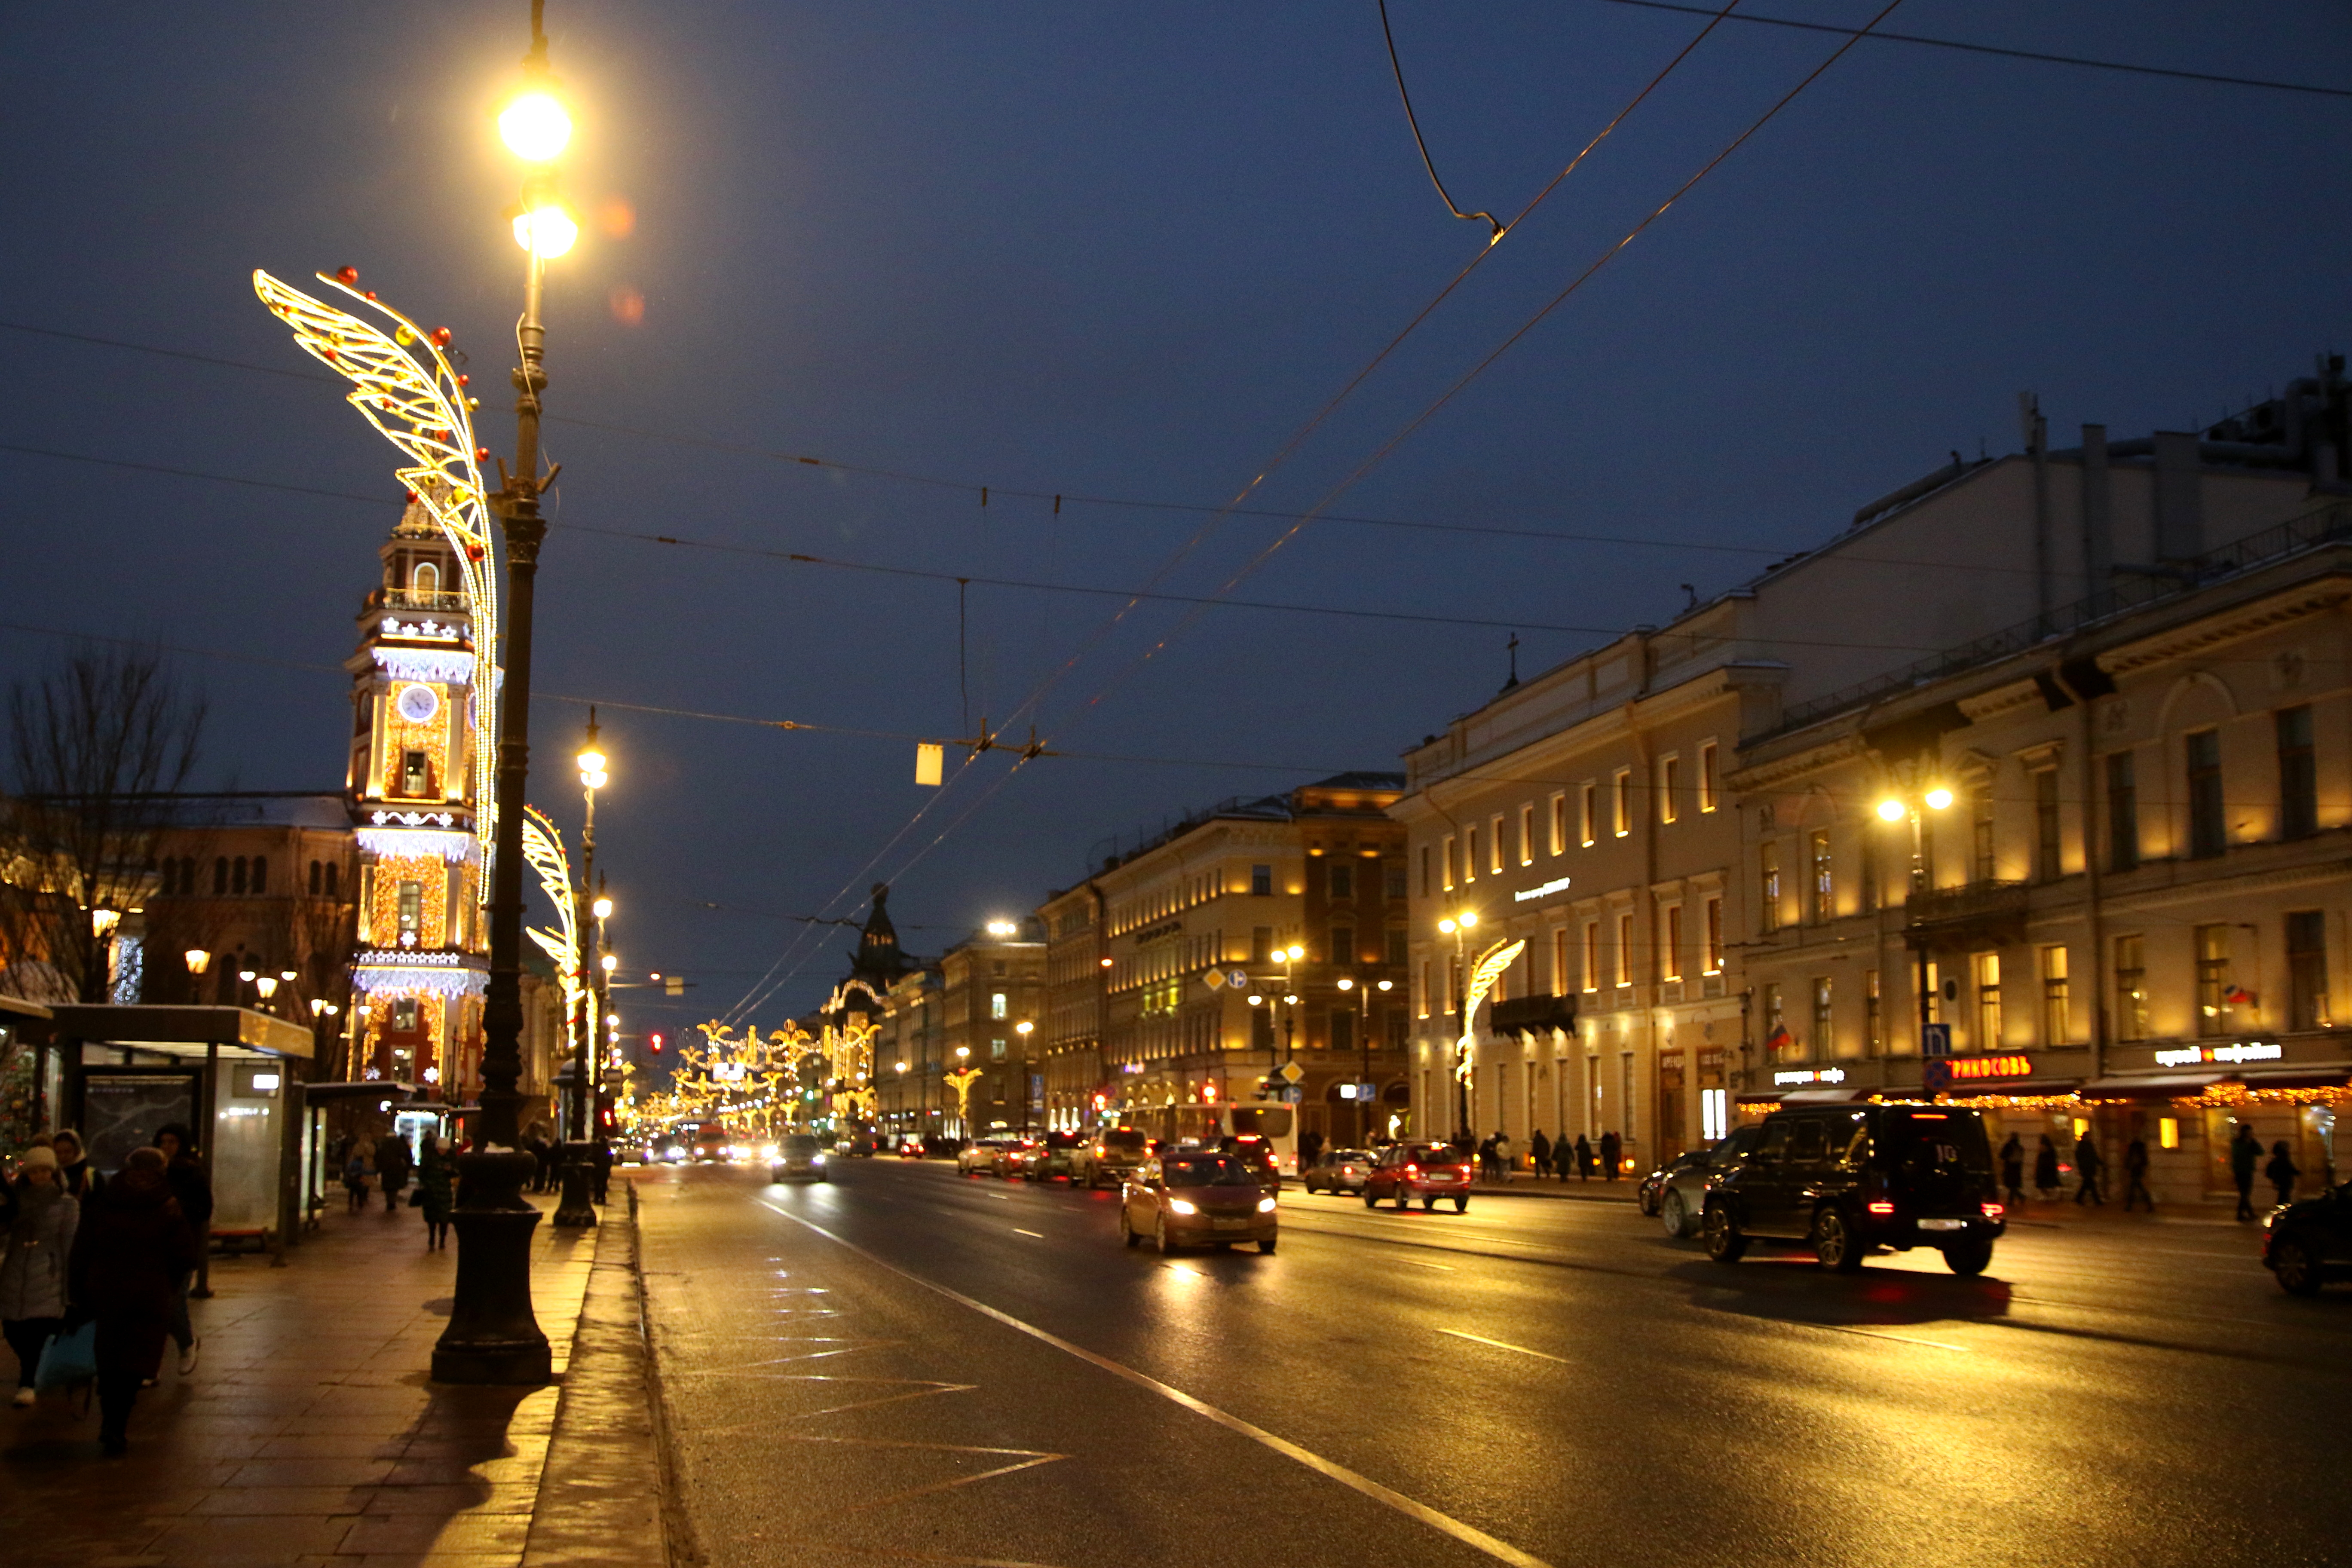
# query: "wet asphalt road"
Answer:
x=903 y=1365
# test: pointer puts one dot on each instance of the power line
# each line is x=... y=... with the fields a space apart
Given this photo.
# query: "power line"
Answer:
x=1411 y=120
x=1997 y=51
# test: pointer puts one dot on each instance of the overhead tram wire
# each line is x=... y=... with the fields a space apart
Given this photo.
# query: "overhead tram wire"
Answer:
x=1382 y=453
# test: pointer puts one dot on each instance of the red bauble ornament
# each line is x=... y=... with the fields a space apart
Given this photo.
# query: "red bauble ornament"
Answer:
x=441 y=336
x=481 y=453
x=473 y=553
x=348 y=277
x=465 y=381
x=371 y=294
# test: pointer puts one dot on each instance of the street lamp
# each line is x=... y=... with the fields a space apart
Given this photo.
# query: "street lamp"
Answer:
x=962 y=1080
x=1364 y=1042
x=493 y=1336
x=1459 y=926
x=1907 y=801
x=576 y=1210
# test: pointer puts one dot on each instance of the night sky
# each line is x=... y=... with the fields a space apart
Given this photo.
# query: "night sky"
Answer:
x=1101 y=251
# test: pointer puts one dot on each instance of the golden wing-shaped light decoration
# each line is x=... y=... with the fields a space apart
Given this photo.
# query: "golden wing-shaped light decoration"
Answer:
x=404 y=385
x=542 y=847
x=1483 y=975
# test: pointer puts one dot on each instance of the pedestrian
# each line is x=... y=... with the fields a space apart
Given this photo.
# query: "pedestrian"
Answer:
x=129 y=1249
x=435 y=1174
x=2281 y=1173
x=2245 y=1152
x=1539 y=1148
x=2135 y=1175
x=2088 y=1163
x=1583 y=1159
x=1487 y=1159
x=2045 y=1170
x=33 y=1270
x=359 y=1170
x=1309 y=1145
x=543 y=1150
x=393 y=1163
x=1504 y=1155
x=73 y=1166
x=601 y=1164
x=194 y=1188
x=1613 y=1151
x=2012 y=1169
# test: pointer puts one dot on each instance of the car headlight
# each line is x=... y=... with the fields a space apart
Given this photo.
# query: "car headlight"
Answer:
x=817 y=1159
x=1178 y=1205
x=1266 y=1206
x=769 y=1152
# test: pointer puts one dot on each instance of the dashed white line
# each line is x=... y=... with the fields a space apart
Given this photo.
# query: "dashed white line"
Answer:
x=1038 y=1233
x=1505 y=1345
x=1898 y=1339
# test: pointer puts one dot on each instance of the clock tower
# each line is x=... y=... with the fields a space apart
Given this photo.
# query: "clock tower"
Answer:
x=422 y=960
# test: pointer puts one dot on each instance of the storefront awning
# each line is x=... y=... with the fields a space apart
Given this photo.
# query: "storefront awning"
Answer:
x=2317 y=1075
x=2162 y=1085
x=1822 y=1096
x=182 y=1031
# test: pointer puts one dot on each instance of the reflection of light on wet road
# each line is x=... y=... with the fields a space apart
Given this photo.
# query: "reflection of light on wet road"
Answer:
x=1505 y=1345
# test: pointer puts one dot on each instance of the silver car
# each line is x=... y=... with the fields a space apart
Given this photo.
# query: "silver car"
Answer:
x=1683 y=1183
x=1337 y=1171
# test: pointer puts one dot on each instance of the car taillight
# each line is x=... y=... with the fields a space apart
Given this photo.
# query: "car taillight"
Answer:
x=1993 y=1211
x=1412 y=1170
x=1881 y=1205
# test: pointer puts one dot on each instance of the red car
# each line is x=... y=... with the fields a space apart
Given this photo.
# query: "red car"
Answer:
x=1426 y=1171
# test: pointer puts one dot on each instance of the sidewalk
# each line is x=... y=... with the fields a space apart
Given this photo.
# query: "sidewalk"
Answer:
x=310 y=1432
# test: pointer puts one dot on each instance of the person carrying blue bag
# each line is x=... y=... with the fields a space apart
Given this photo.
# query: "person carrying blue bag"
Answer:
x=132 y=1246
x=33 y=1268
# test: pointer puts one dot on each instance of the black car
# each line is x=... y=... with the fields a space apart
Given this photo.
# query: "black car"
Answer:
x=1848 y=1179
x=2306 y=1244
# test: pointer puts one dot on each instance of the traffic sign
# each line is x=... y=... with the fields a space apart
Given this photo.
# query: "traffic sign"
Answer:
x=1935 y=1040
x=1291 y=1072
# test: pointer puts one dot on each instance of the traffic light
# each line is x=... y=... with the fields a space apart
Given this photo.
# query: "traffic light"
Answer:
x=658 y=1045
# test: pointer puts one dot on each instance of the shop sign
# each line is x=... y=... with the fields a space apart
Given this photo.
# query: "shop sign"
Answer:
x=2245 y=1051
x=1529 y=895
x=1937 y=1074
x=1797 y=1077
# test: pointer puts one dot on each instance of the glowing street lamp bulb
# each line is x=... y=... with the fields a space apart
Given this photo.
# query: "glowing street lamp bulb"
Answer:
x=591 y=760
x=1296 y=953
x=1388 y=985
x=547 y=231
x=603 y=910
x=535 y=128
x=1468 y=919
x=610 y=963
x=1939 y=798
x=197 y=960
x=1446 y=925
x=593 y=779
x=1346 y=983
x=1890 y=809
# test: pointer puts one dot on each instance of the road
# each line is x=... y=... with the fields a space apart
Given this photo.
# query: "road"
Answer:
x=904 y=1364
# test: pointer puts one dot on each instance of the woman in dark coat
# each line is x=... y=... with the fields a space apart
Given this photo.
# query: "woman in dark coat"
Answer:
x=2282 y=1173
x=192 y=1187
x=2046 y=1169
x=434 y=1179
x=129 y=1252
x=2012 y=1169
x=392 y=1167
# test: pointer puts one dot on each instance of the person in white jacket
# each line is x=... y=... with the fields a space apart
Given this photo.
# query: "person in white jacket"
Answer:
x=33 y=1270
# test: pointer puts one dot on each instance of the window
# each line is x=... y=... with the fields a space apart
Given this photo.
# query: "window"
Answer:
x=1425 y=870
x=220 y=877
x=1823 y=877
x=1527 y=834
x=318 y=878
x=2057 y=1026
x=1449 y=861
x=412 y=773
x=1262 y=881
x=1559 y=822
x=1981 y=851
x=2307 y=968
x=1625 y=947
x=2298 y=775
x=1343 y=944
x=1560 y=962
x=1874 y=1014
x=1339 y=876
x=1670 y=780
x=237 y=877
x=1621 y=802
x=2206 y=828
x=1393 y=875
x=1395 y=952
x=1776 y=1029
x=2046 y=859
x=261 y=873
x=2214 y=987
x=1261 y=944
x=1822 y=1034
x=1707 y=795
x=1343 y=1029
x=1714 y=936
x=331 y=870
x=411 y=911
x=1495 y=844
x=1587 y=816
x=996 y=1049
x=996 y=1005
x=1985 y=969
x=1670 y=949
x=2131 y=989
x=1767 y=858
x=1470 y=854
x=2123 y=813
x=426 y=578
x=1593 y=955
x=403 y=1014
x=1424 y=988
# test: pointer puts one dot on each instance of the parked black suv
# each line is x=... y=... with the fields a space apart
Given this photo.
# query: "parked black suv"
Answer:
x=1846 y=1179
x=2306 y=1244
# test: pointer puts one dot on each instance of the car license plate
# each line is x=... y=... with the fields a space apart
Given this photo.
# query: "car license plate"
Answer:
x=1229 y=1223
x=1943 y=1225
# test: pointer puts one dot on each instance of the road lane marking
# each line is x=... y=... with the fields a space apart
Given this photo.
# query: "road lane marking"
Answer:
x=1898 y=1339
x=1440 y=1268
x=1505 y=1345
x=1038 y=1233
x=1445 y=1525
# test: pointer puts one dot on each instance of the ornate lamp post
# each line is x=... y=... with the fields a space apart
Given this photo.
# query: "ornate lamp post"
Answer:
x=1364 y=1043
x=576 y=1210
x=493 y=1337
x=1458 y=927
x=1909 y=797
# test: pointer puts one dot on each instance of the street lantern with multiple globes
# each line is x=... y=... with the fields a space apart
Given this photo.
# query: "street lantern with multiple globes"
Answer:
x=1459 y=925
x=1910 y=800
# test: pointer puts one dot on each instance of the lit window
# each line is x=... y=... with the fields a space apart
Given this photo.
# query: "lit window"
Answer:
x=996 y=1005
x=1588 y=814
x=1707 y=797
x=1670 y=776
x=1715 y=936
x=1559 y=822
x=1625 y=949
x=1670 y=947
x=1620 y=797
x=1527 y=834
x=1987 y=968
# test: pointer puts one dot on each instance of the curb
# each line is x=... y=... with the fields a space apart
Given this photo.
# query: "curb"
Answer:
x=603 y=1496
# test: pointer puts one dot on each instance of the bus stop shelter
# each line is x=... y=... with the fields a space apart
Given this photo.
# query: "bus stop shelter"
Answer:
x=224 y=1072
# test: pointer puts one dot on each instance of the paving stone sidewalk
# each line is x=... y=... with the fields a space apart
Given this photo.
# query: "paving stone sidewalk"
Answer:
x=310 y=1433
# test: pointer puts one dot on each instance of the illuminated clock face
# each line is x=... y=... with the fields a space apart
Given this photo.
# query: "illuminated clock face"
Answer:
x=418 y=703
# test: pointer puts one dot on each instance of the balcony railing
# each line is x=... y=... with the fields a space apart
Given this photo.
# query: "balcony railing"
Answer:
x=1972 y=903
x=410 y=599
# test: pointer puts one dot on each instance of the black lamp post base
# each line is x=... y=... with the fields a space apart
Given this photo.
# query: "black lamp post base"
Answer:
x=576 y=1212
x=493 y=1335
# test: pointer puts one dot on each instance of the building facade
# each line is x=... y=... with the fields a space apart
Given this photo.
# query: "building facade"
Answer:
x=991 y=999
